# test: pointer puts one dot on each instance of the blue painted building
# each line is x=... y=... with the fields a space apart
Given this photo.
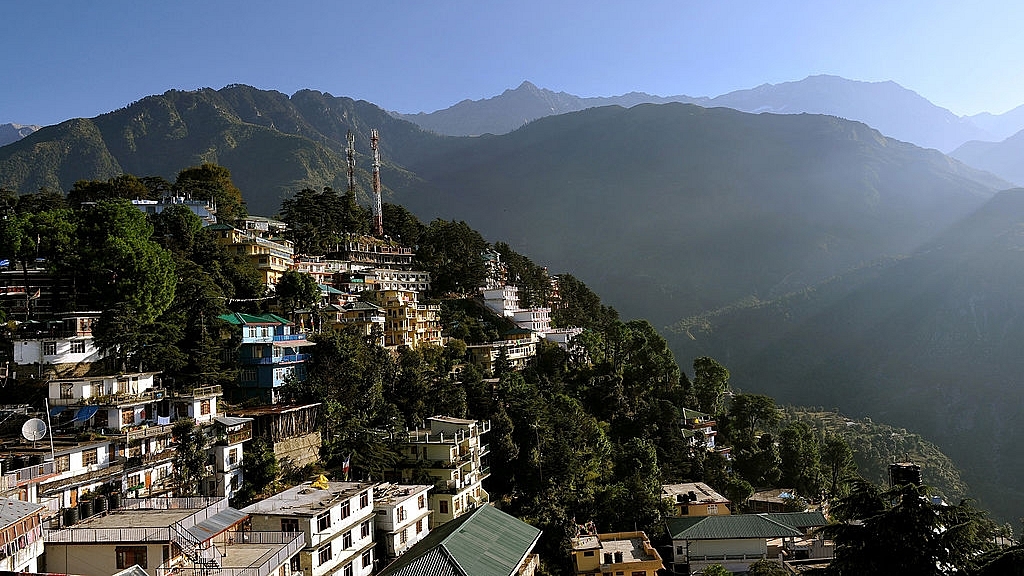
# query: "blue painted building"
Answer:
x=270 y=353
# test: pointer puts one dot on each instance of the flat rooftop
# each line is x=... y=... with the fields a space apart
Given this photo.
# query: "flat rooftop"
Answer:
x=390 y=494
x=703 y=492
x=632 y=549
x=125 y=518
x=304 y=500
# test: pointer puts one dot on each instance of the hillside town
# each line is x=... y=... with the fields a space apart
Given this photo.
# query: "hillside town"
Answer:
x=109 y=467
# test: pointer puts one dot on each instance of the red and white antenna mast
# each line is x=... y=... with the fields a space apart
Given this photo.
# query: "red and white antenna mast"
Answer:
x=378 y=212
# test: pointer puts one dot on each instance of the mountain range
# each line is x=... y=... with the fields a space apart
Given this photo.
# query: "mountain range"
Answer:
x=823 y=259
x=893 y=110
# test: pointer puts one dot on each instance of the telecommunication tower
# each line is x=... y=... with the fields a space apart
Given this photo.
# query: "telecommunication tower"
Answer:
x=350 y=155
x=378 y=213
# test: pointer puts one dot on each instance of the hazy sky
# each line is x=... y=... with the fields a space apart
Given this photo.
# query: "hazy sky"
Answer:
x=62 y=59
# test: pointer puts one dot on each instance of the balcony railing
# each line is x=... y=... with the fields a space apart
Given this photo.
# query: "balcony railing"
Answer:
x=288 y=337
x=25 y=475
x=111 y=399
x=285 y=358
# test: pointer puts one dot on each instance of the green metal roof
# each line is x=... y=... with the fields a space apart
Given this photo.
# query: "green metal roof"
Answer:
x=239 y=319
x=800 y=520
x=484 y=542
x=738 y=526
x=691 y=414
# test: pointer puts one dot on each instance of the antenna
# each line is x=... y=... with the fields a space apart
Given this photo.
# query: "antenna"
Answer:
x=378 y=216
x=33 y=430
x=350 y=155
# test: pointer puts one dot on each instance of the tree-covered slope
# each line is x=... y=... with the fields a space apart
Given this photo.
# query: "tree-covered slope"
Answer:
x=275 y=145
x=674 y=209
x=930 y=342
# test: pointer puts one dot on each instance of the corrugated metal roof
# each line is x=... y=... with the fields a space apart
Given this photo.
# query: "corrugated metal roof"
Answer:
x=12 y=511
x=800 y=520
x=484 y=542
x=231 y=420
x=738 y=526
x=217 y=523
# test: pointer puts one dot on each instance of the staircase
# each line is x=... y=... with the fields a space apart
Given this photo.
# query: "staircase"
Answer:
x=205 y=559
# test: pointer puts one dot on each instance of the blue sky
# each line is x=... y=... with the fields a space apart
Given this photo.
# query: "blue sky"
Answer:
x=63 y=59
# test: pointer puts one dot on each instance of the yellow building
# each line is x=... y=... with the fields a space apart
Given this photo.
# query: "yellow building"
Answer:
x=615 y=554
x=695 y=499
x=271 y=256
x=409 y=322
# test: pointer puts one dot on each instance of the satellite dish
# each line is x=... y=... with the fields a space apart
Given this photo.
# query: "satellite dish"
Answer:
x=33 y=429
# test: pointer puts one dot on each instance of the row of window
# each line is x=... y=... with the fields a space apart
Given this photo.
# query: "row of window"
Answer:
x=324 y=555
x=323 y=521
x=77 y=347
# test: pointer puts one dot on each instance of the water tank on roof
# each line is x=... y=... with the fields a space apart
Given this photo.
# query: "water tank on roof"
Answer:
x=85 y=508
x=70 y=516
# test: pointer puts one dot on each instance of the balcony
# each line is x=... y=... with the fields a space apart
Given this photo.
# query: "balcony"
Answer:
x=288 y=337
x=283 y=359
x=111 y=399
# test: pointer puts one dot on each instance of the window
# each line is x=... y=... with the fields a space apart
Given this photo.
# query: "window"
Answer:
x=128 y=556
x=403 y=537
x=62 y=463
x=588 y=553
x=419 y=525
x=712 y=509
x=248 y=375
x=421 y=502
x=67 y=390
x=364 y=529
x=345 y=510
x=323 y=521
x=295 y=563
x=50 y=349
x=78 y=347
x=443 y=506
x=323 y=555
x=90 y=457
x=346 y=540
x=289 y=524
x=347 y=571
x=364 y=499
x=401 y=513
x=127 y=417
x=204 y=407
x=232 y=456
x=367 y=559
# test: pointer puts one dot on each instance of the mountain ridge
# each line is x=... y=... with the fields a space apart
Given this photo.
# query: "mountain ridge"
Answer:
x=916 y=120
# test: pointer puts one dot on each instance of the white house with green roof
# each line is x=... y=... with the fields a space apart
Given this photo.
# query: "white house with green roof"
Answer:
x=485 y=542
x=737 y=541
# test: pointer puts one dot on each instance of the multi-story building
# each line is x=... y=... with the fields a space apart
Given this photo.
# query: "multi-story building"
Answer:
x=185 y=536
x=615 y=553
x=205 y=209
x=698 y=429
x=376 y=253
x=112 y=403
x=21 y=536
x=368 y=319
x=335 y=518
x=272 y=256
x=229 y=434
x=402 y=517
x=409 y=322
x=61 y=347
x=269 y=354
x=695 y=499
x=392 y=279
x=484 y=542
x=451 y=452
x=518 y=346
x=533 y=319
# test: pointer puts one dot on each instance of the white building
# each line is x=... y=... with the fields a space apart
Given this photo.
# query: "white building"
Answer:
x=403 y=516
x=336 y=519
x=60 y=346
x=21 y=536
x=451 y=452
